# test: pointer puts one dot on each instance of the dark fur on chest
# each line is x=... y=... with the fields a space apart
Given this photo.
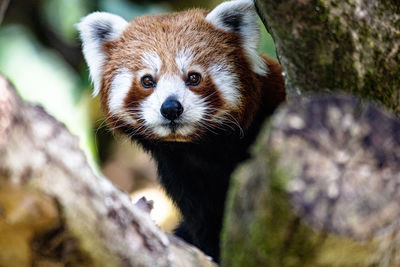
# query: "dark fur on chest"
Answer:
x=196 y=176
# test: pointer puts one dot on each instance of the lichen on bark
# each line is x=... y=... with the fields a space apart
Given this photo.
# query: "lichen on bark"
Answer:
x=320 y=190
x=321 y=187
x=336 y=45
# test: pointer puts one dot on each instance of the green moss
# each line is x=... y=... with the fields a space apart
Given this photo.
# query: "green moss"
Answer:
x=321 y=47
x=261 y=228
x=340 y=251
x=267 y=238
x=324 y=47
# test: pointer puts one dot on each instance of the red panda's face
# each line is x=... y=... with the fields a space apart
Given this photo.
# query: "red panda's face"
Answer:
x=175 y=77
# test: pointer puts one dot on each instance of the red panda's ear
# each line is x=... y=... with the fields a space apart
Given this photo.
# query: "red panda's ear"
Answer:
x=239 y=16
x=95 y=29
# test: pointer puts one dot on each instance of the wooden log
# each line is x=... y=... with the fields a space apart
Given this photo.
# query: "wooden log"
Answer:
x=54 y=211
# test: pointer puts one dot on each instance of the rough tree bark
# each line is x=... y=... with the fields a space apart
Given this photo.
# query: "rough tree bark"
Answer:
x=54 y=211
x=322 y=189
x=348 y=45
x=322 y=186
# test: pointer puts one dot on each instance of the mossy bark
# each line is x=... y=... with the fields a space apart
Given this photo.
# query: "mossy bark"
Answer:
x=331 y=45
x=320 y=190
x=322 y=186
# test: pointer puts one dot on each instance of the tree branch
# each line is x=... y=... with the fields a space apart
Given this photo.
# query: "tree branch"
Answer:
x=53 y=208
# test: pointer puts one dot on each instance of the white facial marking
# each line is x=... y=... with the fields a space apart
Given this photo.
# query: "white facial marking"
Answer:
x=161 y=130
x=194 y=107
x=152 y=60
x=227 y=83
x=144 y=72
x=95 y=29
x=183 y=59
x=248 y=28
x=119 y=89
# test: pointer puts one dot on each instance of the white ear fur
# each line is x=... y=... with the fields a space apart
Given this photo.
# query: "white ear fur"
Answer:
x=95 y=29
x=240 y=16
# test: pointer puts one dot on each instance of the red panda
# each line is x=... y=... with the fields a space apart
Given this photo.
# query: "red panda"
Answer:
x=191 y=89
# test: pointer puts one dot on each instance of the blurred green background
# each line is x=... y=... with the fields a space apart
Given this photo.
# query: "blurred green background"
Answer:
x=40 y=53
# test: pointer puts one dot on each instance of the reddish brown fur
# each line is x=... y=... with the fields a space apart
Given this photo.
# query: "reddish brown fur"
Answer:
x=195 y=174
x=169 y=33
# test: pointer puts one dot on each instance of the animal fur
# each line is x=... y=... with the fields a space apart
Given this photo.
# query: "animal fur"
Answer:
x=197 y=149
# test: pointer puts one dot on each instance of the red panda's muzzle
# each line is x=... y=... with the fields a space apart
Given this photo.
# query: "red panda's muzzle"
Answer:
x=171 y=109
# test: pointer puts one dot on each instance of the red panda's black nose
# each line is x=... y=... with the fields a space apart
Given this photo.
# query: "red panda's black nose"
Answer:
x=171 y=109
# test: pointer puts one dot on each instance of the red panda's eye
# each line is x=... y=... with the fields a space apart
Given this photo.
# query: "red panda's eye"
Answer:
x=148 y=82
x=193 y=79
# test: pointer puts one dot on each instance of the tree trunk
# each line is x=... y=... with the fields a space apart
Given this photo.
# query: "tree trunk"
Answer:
x=54 y=211
x=322 y=186
x=351 y=46
x=320 y=190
